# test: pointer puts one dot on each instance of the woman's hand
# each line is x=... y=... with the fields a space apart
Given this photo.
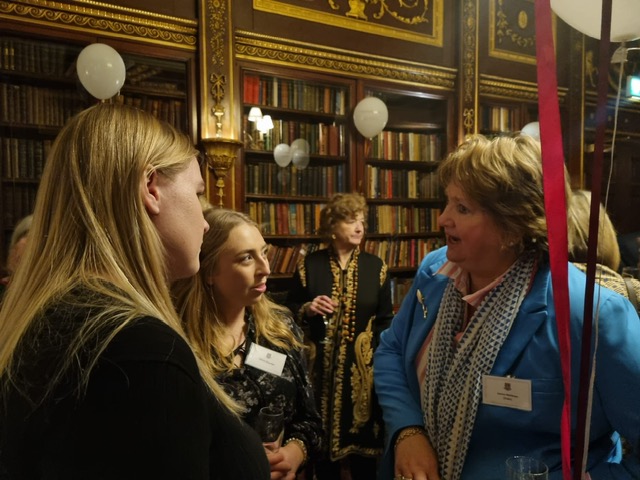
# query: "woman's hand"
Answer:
x=285 y=462
x=416 y=459
x=321 y=305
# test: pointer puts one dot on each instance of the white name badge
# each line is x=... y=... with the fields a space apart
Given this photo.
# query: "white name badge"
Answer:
x=506 y=392
x=265 y=359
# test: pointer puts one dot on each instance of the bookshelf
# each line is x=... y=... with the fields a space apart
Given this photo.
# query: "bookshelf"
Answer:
x=40 y=91
x=505 y=117
x=400 y=180
x=286 y=201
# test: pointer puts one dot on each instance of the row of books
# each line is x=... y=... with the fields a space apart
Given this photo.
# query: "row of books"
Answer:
x=401 y=184
x=400 y=286
x=285 y=218
x=31 y=105
x=499 y=119
x=397 y=219
x=283 y=259
x=293 y=94
x=407 y=146
x=395 y=253
x=323 y=139
x=170 y=110
x=32 y=56
x=314 y=180
x=17 y=202
x=23 y=158
x=402 y=253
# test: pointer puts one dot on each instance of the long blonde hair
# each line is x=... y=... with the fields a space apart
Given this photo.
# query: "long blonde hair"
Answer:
x=578 y=213
x=199 y=312
x=91 y=231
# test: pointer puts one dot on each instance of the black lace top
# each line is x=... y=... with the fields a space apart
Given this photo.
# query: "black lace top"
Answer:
x=292 y=391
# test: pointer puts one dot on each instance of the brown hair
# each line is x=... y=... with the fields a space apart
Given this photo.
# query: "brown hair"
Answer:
x=342 y=206
x=504 y=176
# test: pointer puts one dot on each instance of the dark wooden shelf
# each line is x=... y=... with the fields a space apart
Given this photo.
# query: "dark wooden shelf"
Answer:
x=280 y=112
x=403 y=164
x=406 y=201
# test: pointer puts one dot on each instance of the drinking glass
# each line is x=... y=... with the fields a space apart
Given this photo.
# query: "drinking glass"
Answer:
x=326 y=339
x=270 y=427
x=526 y=468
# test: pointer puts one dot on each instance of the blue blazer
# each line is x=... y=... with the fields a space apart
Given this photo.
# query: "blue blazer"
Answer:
x=531 y=352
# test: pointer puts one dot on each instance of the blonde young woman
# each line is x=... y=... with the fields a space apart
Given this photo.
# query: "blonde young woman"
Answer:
x=241 y=334
x=97 y=379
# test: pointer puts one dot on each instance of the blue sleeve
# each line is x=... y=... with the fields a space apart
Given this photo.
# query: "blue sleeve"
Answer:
x=617 y=383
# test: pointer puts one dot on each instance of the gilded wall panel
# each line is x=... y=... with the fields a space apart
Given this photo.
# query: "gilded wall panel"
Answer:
x=418 y=21
x=512 y=30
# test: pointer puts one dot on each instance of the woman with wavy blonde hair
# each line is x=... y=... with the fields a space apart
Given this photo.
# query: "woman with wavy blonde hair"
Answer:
x=97 y=379
x=226 y=313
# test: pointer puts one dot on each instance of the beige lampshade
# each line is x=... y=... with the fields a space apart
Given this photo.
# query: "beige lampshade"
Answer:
x=255 y=114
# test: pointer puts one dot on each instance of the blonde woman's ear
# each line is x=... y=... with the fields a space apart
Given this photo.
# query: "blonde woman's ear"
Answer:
x=151 y=194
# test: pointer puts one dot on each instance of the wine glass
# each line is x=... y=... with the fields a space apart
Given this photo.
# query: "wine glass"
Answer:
x=326 y=339
x=526 y=468
x=270 y=427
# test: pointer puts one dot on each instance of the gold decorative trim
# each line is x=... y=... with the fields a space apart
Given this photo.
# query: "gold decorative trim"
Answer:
x=294 y=11
x=469 y=80
x=513 y=89
x=279 y=51
x=132 y=11
x=105 y=20
x=217 y=14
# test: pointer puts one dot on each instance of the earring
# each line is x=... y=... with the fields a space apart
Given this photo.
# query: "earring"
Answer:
x=333 y=236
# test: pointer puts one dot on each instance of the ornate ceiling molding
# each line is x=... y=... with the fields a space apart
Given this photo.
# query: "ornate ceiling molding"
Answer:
x=525 y=91
x=280 y=51
x=106 y=20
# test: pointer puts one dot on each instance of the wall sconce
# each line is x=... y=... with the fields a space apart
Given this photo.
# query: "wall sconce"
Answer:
x=265 y=124
x=255 y=114
x=221 y=155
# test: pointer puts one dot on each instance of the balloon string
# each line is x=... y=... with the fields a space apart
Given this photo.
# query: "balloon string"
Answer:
x=596 y=187
x=555 y=208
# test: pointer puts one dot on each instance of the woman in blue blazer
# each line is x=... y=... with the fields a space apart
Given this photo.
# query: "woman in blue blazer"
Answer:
x=469 y=372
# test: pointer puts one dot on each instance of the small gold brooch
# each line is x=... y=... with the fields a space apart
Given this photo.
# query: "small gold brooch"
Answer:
x=421 y=300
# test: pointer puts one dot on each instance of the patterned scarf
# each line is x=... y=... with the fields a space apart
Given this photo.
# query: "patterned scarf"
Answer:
x=453 y=381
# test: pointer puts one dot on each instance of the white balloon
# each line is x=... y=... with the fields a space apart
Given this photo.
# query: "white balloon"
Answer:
x=531 y=130
x=586 y=17
x=301 y=144
x=101 y=70
x=282 y=154
x=300 y=159
x=370 y=116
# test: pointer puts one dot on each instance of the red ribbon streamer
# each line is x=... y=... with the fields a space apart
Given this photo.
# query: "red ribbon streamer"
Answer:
x=555 y=207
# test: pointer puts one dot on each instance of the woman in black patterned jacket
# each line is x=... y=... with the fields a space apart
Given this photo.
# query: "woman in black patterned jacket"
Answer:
x=226 y=314
x=343 y=296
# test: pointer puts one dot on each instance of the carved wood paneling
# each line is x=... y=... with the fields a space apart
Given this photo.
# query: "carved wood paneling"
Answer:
x=105 y=20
